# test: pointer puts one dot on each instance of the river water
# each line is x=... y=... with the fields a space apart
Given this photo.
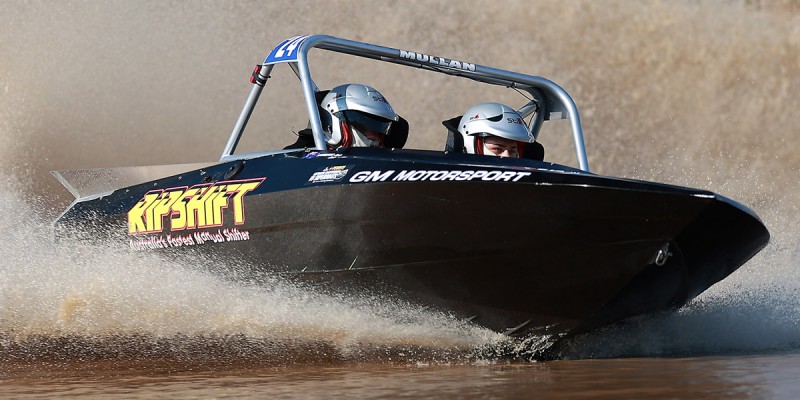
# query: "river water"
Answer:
x=705 y=377
x=697 y=94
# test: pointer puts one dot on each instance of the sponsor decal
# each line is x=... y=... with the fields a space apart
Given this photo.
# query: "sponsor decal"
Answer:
x=331 y=155
x=438 y=61
x=437 y=175
x=163 y=241
x=286 y=51
x=190 y=208
x=329 y=174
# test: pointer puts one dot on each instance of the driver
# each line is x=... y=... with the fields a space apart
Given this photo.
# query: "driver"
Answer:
x=352 y=115
x=494 y=129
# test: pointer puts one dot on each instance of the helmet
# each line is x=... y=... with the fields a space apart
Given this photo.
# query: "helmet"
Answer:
x=356 y=115
x=492 y=119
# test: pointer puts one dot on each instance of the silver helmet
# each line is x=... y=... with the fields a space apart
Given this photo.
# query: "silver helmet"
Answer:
x=351 y=111
x=492 y=119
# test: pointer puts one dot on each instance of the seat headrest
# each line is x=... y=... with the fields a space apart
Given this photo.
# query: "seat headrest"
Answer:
x=454 y=140
x=398 y=134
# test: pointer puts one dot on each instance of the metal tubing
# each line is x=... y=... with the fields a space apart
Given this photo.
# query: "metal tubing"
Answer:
x=311 y=100
x=247 y=111
x=555 y=98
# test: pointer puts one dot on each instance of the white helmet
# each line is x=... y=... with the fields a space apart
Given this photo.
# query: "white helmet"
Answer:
x=352 y=110
x=492 y=119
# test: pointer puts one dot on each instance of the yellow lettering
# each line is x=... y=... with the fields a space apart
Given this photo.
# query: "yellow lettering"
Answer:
x=163 y=207
x=138 y=221
x=195 y=208
x=200 y=206
x=220 y=203
x=213 y=214
x=238 y=200
x=179 y=214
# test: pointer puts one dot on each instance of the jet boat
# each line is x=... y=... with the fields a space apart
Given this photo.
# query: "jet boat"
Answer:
x=585 y=250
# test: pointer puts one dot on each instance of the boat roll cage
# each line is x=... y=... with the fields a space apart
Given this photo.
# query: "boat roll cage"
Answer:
x=548 y=100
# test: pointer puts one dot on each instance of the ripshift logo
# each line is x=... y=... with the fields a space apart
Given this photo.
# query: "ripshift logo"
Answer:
x=201 y=206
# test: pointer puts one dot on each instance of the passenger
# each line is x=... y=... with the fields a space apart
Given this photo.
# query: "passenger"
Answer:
x=494 y=129
x=352 y=115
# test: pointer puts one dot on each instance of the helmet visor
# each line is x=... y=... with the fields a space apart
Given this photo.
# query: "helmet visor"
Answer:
x=366 y=122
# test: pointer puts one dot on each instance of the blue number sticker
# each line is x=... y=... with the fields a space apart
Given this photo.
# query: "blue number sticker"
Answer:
x=286 y=51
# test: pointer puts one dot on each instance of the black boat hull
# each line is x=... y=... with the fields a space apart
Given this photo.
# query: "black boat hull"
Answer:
x=525 y=247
